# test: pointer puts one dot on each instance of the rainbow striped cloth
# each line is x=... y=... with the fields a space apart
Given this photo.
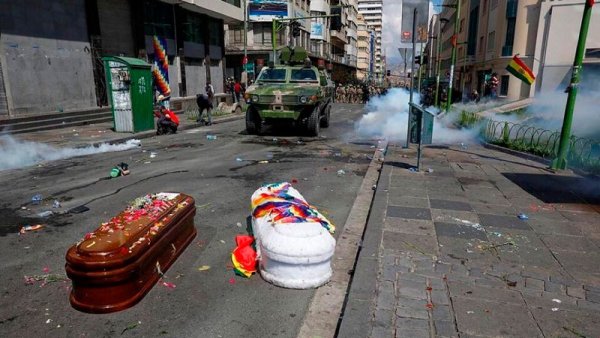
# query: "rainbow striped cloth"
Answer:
x=284 y=204
x=160 y=70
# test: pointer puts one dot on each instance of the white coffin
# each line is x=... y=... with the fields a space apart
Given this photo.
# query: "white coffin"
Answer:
x=293 y=255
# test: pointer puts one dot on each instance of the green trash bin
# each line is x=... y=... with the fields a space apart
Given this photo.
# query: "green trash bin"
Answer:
x=129 y=84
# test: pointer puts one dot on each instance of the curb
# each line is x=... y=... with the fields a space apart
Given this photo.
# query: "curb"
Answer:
x=517 y=153
x=151 y=133
x=329 y=300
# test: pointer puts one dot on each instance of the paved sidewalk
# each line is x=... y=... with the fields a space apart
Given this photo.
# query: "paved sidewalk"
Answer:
x=102 y=132
x=446 y=255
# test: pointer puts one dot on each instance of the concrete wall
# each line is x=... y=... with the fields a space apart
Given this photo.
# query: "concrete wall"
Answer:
x=557 y=36
x=47 y=66
x=195 y=78
x=116 y=27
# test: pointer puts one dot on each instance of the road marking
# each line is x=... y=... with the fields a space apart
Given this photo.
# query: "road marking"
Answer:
x=323 y=314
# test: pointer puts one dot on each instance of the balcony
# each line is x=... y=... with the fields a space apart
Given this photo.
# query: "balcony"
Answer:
x=338 y=37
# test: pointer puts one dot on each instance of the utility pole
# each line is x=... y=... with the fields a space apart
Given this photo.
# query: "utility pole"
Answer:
x=560 y=162
x=245 y=42
x=454 y=43
x=412 y=74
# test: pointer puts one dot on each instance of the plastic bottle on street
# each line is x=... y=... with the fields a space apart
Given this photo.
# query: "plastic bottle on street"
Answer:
x=36 y=199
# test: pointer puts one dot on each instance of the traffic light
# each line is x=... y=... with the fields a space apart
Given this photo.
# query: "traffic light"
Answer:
x=388 y=73
x=295 y=28
x=418 y=59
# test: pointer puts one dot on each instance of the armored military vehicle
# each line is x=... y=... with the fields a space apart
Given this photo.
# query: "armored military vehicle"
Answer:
x=294 y=91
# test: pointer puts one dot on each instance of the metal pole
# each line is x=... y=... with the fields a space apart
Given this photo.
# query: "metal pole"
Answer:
x=412 y=74
x=245 y=41
x=464 y=70
x=420 y=68
x=560 y=162
x=273 y=39
x=455 y=40
x=438 y=61
x=429 y=62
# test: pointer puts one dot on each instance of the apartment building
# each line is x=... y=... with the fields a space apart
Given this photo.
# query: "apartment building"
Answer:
x=543 y=32
x=365 y=40
x=51 y=51
x=372 y=12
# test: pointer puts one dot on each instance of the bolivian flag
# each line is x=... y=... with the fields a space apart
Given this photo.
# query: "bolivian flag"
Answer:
x=519 y=69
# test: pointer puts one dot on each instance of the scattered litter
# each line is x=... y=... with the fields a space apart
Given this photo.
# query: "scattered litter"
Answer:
x=36 y=199
x=147 y=162
x=46 y=270
x=211 y=137
x=294 y=181
x=121 y=169
x=511 y=283
x=299 y=142
x=305 y=179
x=204 y=268
x=554 y=309
x=476 y=226
x=463 y=146
x=30 y=228
x=557 y=300
x=341 y=172
x=153 y=155
x=48 y=321
x=372 y=147
x=404 y=156
x=56 y=204
x=222 y=241
x=374 y=187
x=45 y=279
x=523 y=217
x=413 y=169
x=239 y=159
x=45 y=214
x=131 y=327
x=23 y=208
x=275 y=139
x=337 y=154
x=238 y=224
x=169 y=285
x=80 y=209
x=470 y=312
x=263 y=162
x=231 y=280
x=429 y=170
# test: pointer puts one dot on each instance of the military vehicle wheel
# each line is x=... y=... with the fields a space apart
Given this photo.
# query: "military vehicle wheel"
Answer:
x=325 y=118
x=313 y=124
x=253 y=122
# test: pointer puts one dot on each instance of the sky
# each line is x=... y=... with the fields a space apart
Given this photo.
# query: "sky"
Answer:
x=392 y=19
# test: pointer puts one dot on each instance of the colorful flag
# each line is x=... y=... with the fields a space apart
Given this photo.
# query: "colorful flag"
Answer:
x=519 y=69
x=160 y=70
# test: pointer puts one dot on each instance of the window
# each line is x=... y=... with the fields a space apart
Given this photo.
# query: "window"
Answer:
x=491 y=41
x=215 y=33
x=236 y=34
x=158 y=19
x=272 y=75
x=480 y=44
x=303 y=75
x=504 y=85
x=262 y=34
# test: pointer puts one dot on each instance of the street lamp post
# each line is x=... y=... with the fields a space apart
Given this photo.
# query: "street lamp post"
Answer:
x=454 y=43
x=245 y=42
x=560 y=162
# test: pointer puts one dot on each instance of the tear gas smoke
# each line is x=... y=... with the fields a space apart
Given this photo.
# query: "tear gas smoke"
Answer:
x=16 y=153
x=388 y=117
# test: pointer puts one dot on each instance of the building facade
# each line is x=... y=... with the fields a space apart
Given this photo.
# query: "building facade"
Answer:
x=543 y=32
x=364 y=44
x=329 y=38
x=55 y=65
x=372 y=12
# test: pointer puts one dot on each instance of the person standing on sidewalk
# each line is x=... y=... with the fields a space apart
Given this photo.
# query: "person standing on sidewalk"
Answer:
x=204 y=104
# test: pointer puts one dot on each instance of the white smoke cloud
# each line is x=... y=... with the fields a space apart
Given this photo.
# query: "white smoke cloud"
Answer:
x=387 y=117
x=18 y=153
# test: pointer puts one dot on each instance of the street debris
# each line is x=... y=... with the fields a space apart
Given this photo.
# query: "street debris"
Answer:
x=413 y=169
x=341 y=172
x=554 y=309
x=45 y=214
x=429 y=170
x=263 y=162
x=244 y=256
x=557 y=300
x=169 y=285
x=463 y=146
x=36 y=199
x=239 y=159
x=131 y=327
x=79 y=209
x=153 y=155
x=222 y=241
x=238 y=224
x=231 y=280
x=475 y=226
x=204 y=268
x=523 y=217
x=121 y=169
x=211 y=137
x=28 y=228
x=56 y=204
x=45 y=279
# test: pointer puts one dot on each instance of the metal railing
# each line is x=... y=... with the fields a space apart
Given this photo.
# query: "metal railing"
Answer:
x=584 y=153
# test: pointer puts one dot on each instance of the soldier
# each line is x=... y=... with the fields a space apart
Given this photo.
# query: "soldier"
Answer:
x=344 y=93
x=338 y=93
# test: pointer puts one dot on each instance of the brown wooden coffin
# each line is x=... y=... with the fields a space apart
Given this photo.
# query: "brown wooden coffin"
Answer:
x=115 y=266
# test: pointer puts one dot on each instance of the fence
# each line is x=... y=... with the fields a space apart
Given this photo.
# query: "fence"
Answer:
x=584 y=153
